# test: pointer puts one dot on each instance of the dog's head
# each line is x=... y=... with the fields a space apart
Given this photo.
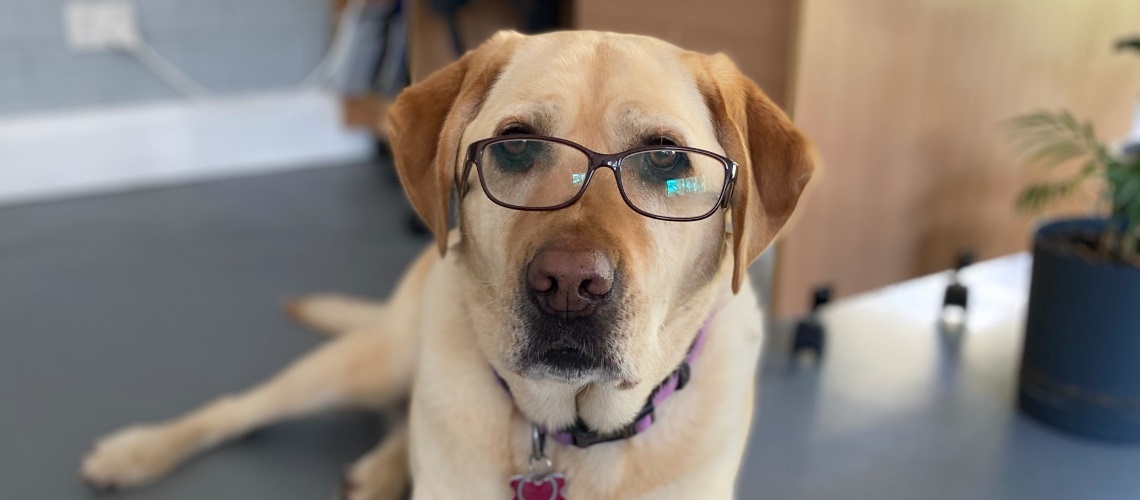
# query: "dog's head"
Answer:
x=595 y=292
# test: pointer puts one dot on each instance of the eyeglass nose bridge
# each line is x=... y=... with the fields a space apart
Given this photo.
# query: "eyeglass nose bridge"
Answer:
x=612 y=162
x=605 y=161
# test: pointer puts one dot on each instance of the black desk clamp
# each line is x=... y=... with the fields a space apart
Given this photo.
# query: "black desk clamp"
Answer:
x=809 y=333
x=956 y=298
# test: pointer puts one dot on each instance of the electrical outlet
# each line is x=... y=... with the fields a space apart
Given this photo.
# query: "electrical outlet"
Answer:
x=101 y=25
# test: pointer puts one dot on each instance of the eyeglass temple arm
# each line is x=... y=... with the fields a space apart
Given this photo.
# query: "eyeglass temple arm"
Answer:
x=731 y=185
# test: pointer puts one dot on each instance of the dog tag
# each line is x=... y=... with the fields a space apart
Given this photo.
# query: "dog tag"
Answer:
x=540 y=487
x=540 y=482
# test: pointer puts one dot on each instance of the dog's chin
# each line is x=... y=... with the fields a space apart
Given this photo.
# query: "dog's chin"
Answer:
x=570 y=366
x=569 y=350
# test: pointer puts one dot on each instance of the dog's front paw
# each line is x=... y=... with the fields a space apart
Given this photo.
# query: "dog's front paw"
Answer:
x=131 y=457
x=371 y=478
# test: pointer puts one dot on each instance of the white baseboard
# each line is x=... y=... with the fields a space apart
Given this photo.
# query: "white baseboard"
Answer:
x=77 y=153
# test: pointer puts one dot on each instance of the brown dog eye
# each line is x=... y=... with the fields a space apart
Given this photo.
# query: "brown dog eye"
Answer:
x=661 y=165
x=516 y=155
x=663 y=159
x=514 y=147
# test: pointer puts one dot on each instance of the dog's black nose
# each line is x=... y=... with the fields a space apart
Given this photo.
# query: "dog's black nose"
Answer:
x=570 y=282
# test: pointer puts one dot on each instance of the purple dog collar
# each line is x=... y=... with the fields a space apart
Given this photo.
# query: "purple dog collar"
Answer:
x=582 y=436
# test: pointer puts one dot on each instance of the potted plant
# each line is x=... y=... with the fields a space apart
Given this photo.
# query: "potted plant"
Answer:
x=1080 y=366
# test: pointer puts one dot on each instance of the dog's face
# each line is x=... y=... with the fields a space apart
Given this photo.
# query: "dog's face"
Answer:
x=595 y=292
x=586 y=292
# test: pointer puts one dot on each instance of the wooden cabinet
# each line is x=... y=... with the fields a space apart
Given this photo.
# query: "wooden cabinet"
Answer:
x=757 y=34
x=906 y=100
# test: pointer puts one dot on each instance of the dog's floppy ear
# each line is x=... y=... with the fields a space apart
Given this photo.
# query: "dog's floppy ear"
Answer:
x=775 y=161
x=427 y=121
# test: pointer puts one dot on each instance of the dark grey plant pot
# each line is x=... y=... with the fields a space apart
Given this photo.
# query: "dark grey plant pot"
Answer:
x=1080 y=368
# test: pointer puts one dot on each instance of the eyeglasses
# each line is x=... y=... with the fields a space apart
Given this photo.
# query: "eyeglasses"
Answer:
x=530 y=172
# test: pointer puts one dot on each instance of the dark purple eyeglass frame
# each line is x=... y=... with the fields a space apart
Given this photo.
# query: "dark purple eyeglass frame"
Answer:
x=597 y=160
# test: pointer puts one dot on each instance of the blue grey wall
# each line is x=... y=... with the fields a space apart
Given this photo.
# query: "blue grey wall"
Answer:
x=227 y=46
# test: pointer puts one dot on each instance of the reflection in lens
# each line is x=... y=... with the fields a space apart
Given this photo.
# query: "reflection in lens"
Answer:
x=677 y=187
x=677 y=184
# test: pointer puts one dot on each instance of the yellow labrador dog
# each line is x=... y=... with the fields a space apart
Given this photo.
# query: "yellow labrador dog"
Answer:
x=588 y=330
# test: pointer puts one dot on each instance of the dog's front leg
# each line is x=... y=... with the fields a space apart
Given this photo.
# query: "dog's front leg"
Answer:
x=366 y=370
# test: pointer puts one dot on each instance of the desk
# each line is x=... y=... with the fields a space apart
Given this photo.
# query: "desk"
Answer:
x=897 y=410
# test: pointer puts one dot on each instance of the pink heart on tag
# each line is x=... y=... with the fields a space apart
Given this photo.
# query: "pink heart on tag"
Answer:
x=546 y=487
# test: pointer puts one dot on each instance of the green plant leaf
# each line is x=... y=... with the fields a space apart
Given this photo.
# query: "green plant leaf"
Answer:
x=1088 y=134
x=1050 y=155
x=1051 y=138
x=1117 y=174
x=1127 y=192
x=1126 y=203
x=1037 y=196
x=1068 y=122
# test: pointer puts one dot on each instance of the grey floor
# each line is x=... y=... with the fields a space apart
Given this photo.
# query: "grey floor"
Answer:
x=138 y=306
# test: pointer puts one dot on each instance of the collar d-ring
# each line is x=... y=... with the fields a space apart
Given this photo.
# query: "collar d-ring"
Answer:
x=539 y=462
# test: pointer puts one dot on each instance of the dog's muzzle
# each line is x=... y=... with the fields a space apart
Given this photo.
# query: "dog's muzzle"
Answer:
x=569 y=314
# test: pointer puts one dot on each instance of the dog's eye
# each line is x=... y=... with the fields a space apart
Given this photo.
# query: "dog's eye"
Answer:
x=515 y=155
x=514 y=148
x=661 y=165
x=664 y=159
